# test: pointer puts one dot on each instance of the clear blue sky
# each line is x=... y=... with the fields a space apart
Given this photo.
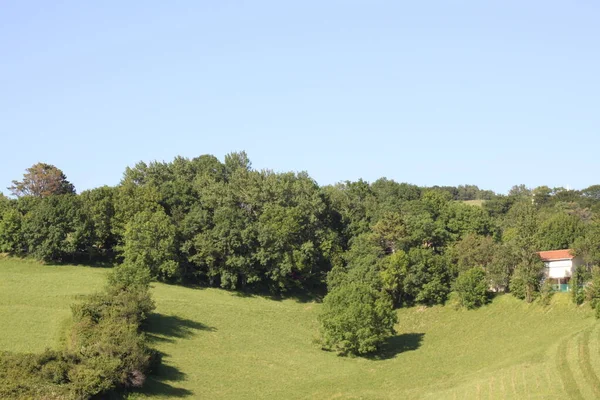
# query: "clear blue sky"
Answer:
x=446 y=92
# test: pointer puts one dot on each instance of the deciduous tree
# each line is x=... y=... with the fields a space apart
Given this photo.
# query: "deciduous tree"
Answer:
x=356 y=319
x=42 y=180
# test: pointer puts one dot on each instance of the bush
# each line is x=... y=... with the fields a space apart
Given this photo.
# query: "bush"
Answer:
x=577 y=281
x=527 y=277
x=356 y=319
x=105 y=348
x=592 y=291
x=546 y=293
x=471 y=286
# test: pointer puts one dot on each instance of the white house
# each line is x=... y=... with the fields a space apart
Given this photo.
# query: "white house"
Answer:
x=560 y=265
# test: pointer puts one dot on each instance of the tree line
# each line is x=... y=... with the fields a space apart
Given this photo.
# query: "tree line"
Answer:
x=225 y=224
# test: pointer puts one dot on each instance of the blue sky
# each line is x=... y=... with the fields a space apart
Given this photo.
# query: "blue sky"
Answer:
x=446 y=92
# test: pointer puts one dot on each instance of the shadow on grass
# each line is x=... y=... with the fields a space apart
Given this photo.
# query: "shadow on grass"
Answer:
x=156 y=383
x=300 y=296
x=167 y=328
x=398 y=344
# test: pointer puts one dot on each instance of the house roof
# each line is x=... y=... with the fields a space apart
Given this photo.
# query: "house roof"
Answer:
x=556 y=255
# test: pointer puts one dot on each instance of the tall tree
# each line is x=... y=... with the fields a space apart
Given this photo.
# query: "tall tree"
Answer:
x=150 y=244
x=527 y=277
x=42 y=180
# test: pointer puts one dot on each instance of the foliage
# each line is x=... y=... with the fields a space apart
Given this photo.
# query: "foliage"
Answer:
x=502 y=265
x=546 y=292
x=356 y=319
x=580 y=276
x=527 y=277
x=473 y=250
x=11 y=240
x=428 y=279
x=471 y=286
x=208 y=222
x=559 y=231
x=104 y=349
x=150 y=244
x=98 y=206
x=592 y=291
x=42 y=180
x=587 y=246
x=56 y=229
x=393 y=271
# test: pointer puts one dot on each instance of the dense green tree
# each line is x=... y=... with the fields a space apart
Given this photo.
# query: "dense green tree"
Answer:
x=592 y=290
x=541 y=195
x=361 y=264
x=521 y=224
x=42 y=180
x=580 y=276
x=294 y=244
x=471 y=287
x=423 y=227
x=56 y=229
x=356 y=319
x=502 y=265
x=473 y=251
x=150 y=244
x=498 y=206
x=520 y=191
x=587 y=245
x=460 y=219
x=428 y=278
x=11 y=237
x=355 y=202
x=98 y=206
x=390 y=195
x=559 y=231
x=390 y=232
x=527 y=277
x=393 y=272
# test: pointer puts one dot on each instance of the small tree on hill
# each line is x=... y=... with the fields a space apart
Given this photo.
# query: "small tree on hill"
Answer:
x=592 y=291
x=356 y=319
x=42 y=180
x=527 y=278
x=471 y=286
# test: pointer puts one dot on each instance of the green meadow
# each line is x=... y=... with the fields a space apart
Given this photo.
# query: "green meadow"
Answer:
x=224 y=345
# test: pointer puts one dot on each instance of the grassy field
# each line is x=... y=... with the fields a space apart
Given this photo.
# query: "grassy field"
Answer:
x=478 y=203
x=221 y=345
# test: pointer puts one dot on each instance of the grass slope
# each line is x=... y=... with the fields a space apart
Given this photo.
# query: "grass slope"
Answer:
x=219 y=344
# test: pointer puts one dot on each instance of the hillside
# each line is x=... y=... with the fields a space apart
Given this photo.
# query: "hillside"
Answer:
x=220 y=344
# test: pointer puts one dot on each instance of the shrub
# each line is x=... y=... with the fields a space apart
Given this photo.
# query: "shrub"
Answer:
x=527 y=277
x=105 y=348
x=592 y=291
x=356 y=319
x=546 y=292
x=471 y=286
x=577 y=281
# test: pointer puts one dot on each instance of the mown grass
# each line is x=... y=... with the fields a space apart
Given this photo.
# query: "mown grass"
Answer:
x=222 y=345
x=478 y=203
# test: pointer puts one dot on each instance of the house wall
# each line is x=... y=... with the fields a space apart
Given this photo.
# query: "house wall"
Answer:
x=559 y=268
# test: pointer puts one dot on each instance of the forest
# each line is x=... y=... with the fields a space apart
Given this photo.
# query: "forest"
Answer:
x=364 y=248
x=223 y=224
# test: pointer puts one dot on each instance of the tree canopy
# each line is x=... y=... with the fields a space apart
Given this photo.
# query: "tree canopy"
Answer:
x=42 y=180
x=222 y=223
